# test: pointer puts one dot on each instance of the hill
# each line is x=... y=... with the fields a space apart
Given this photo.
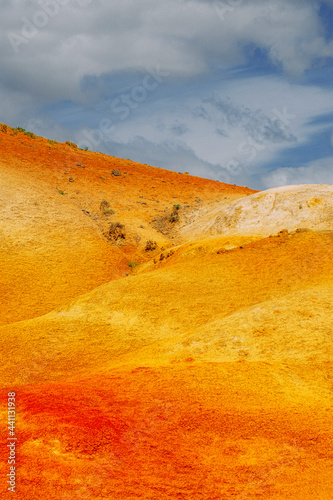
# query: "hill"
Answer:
x=166 y=336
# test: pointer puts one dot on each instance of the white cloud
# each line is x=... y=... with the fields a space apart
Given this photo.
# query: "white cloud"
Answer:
x=233 y=130
x=209 y=125
x=185 y=37
x=316 y=172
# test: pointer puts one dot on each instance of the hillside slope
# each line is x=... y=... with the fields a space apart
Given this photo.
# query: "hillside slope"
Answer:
x=198 y=302
x=268 y=212
x=205 y=372
x=54 y=231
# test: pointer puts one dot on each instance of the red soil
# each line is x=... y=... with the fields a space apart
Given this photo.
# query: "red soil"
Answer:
x=191 y=431
x=161 y=420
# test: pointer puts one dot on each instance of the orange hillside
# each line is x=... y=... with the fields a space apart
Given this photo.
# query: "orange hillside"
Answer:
x=167 y=337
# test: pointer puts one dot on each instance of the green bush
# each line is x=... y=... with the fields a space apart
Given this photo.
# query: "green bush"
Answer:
x=23 y=131
x=133 y=264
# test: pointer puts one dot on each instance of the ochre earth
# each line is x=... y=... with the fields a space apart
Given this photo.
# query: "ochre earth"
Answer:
x=204 y=372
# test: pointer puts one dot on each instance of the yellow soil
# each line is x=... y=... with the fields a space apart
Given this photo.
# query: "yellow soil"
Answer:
x=206 y=373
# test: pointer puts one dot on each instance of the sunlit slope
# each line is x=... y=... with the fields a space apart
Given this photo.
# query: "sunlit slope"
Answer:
x=53 y=231
x=49 y=250
x=190 y=430
x=196 y=304
x=265 y=213
x=206 y=373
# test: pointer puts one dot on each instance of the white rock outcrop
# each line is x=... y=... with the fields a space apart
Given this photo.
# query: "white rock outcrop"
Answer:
x=308 y=206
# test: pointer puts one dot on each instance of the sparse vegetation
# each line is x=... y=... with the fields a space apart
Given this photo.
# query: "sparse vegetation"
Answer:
x=71 y=144
x=116 y=232
x=60 y=191
x=165 y=224
x=133 y=264
x=105 y=208
x=30 y=134
x=150 y=246
x=23 y=131
x=174 y=217
x=104 y=205
x=115 y=173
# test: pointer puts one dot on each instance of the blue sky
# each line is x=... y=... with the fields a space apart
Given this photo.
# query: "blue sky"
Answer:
x=233 y=90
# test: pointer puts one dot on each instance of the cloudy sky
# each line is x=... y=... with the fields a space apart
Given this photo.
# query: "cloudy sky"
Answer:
x=234 y=90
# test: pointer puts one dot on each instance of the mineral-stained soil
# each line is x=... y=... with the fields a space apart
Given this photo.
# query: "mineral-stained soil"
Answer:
x=160 y=357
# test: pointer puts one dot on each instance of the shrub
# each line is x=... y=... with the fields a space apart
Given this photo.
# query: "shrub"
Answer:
x=115 y=173
x=133 y=264
x=23 y=131
x=150 y=246
x=117 y=231
x=71 y=144
x=105 y=208
x=174 y=217
x=104 y=205
x=30 y=134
